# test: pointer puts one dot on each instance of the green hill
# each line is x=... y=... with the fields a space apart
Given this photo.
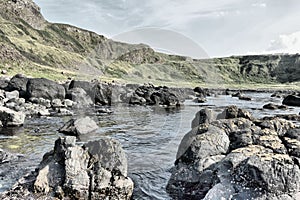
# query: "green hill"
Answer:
x=31 y=45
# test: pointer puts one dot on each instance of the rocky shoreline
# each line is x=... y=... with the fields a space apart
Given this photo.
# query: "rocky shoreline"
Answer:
x=229 y=155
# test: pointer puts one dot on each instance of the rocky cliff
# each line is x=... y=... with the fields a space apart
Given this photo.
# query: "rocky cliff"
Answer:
x=31 y=45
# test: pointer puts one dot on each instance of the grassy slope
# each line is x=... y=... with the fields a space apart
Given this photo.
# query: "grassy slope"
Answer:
x=59 y=51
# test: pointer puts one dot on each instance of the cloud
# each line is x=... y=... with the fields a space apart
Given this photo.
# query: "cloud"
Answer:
x=260 y=5
x=286 y=43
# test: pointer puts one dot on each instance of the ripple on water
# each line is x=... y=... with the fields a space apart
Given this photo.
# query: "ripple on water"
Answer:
x=149 y=135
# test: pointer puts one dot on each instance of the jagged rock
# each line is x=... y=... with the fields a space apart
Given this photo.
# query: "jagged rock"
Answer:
x=44 y=88
x=238 y=159
x=234 y=112
x=10 y=117
x=79 y=96
x=291 y=100
x=150 y=95
x=97 y=170
x=203 y=116
x=79 y=126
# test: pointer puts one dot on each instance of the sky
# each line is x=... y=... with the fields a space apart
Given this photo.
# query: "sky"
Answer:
x=196 y=28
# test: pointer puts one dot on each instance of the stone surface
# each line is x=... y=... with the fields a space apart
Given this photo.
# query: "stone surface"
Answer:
x=44 y=88
x=10 y=117
x=237 y=158
x=97 y=170
x=79 y=126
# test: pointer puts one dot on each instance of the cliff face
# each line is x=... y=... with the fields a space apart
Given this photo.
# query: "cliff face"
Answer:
x=31 y=45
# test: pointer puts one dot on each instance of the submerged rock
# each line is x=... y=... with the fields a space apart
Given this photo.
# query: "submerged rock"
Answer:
x=77 y=127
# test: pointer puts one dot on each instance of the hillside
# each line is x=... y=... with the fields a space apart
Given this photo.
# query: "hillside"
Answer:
x=31 y=45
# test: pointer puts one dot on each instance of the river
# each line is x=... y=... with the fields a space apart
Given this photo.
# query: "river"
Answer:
x=149 y=135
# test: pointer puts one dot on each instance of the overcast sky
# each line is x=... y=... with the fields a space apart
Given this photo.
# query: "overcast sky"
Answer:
x=219 y=27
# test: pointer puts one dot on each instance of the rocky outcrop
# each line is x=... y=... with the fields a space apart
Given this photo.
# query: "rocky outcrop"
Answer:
x=150 y=95
x=77 y=127
x=238 y=158
x=96 y=170
x=44 y=88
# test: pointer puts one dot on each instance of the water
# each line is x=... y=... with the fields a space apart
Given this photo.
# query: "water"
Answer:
x=149 y=135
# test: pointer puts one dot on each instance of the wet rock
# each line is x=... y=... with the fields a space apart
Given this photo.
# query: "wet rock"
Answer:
x=103 y=111
x=239 y=159
x=10 y=117
x=103 y=94
x=150 y=95
x=19 y=83
x=274 y=173
x=291 y=100
x=234 y=112
x=203 y=116
x=200 y=92
x=200 y=100
x=245 y=98
x=80 y=97
x=44 y=88
x=272 y=106
x=97 y=170
x=79 y=126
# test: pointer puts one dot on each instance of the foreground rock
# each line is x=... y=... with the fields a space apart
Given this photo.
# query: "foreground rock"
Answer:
x=77 y=127
x=237 y=158
x=10 y=117
x=96 y=170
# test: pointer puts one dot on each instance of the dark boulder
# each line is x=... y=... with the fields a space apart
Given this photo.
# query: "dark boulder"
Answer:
x=203 y=116
x=44 y=88
x=150 y=95
x=19 y=83
x=291 y=100
x=272 y=106
x=234 y=112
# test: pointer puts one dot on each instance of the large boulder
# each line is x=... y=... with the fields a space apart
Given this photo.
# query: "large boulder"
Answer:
x=77 y=127
x=100 y=93
x=19 y=83
x=238 y=159
x=203 y=116
x=10 y=117
x=291 y=100
x=96 y=170
x=44 y=88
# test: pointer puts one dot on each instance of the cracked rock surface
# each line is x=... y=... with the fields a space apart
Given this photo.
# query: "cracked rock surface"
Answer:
x=238 y=157
x=96 y=170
